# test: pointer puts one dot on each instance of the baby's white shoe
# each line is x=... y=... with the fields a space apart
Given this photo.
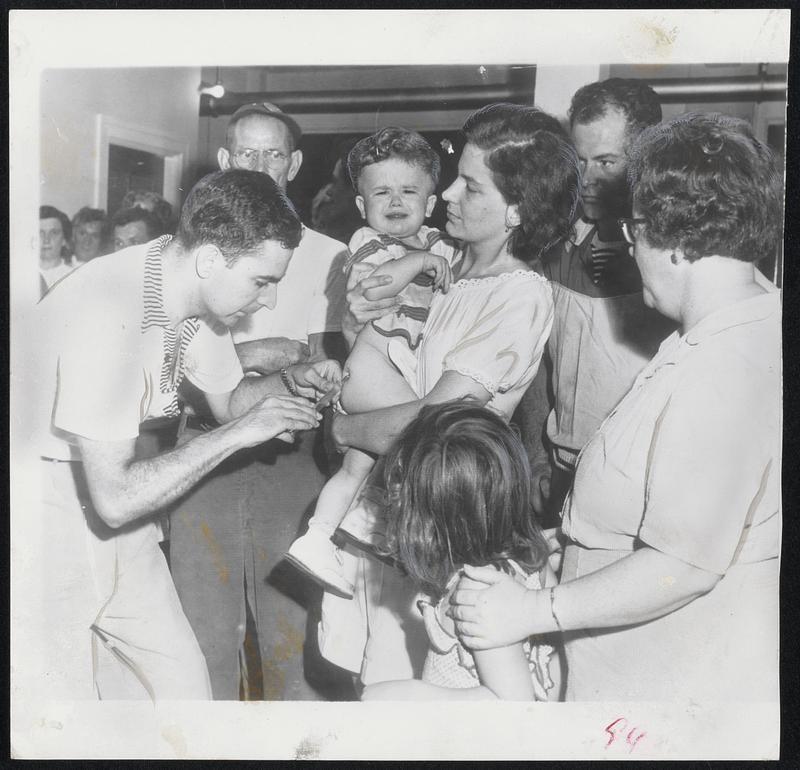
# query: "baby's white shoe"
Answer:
x=363 y=528
x=320 y=559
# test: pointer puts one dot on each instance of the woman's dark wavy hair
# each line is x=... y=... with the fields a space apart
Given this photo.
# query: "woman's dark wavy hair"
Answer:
x=393 y=142
x=237 y=210
x=704 y=184
x=459 y=492
x=535 y=167
x=51 y=212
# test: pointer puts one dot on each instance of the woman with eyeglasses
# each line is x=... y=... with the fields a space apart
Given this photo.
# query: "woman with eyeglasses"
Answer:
x=669 y=585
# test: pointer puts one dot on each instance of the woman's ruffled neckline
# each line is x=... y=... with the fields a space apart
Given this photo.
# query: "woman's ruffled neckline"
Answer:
x=499 y=277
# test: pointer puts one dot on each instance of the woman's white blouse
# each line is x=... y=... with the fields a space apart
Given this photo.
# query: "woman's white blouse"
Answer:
x=492 y=330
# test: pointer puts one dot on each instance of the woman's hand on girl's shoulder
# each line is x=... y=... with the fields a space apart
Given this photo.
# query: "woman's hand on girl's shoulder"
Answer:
x=490 y=609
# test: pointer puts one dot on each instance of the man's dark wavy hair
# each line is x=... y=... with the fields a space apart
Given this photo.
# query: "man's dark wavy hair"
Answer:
x=634 y=98
x=152 y=201
x=393 y=142
x=126 y=216
x=704 y=184
x=237 y=210
x=535 y=167
x=458 y=488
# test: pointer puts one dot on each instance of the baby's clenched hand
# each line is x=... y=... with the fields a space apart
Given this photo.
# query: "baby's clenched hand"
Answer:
x=439 y=269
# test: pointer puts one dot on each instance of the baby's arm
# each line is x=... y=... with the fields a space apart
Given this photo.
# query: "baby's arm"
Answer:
x=405 y=269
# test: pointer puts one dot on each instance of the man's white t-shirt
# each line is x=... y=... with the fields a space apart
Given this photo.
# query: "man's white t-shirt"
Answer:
x=110 y=358
x=310 y=296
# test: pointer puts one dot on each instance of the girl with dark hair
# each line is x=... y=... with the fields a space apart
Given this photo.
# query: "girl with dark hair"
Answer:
x=515 y=195
x=458 y=485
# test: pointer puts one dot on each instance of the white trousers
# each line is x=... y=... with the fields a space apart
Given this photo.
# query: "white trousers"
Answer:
x=111 y=622
x=379 y=633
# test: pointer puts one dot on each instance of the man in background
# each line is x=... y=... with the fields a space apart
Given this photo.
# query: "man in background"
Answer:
x=229 y=535
x=333 y=208
x=602 y=332
x=134 y=226
x=156 y=204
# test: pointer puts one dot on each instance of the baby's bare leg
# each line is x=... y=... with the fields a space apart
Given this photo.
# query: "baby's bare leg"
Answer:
x=314 y=552
x=373 y=381
x=340 y=491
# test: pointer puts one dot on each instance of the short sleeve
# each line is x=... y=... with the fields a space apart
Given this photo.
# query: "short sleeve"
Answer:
x=211 y=362
x=711 y=471
x=504 y=345
x=366 y=247
x=101 y=382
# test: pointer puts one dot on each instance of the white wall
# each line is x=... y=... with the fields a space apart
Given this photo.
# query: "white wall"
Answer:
x=163 y=99
x=555 y=86
x=212 y=129
x=297 y=79
x=758 y=114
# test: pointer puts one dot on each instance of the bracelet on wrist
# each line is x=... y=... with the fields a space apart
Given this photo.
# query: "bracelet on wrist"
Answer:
x=553 y=608
x=287 y=383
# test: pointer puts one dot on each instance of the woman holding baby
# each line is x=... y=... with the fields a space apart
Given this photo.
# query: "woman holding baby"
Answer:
x=515 y=197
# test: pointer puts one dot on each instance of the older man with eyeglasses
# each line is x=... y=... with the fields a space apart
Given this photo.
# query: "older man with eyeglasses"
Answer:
x=227 y=537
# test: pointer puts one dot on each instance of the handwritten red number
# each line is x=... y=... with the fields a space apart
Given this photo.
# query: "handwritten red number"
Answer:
x=617 y=727
x=612 y=733
x=631 y=741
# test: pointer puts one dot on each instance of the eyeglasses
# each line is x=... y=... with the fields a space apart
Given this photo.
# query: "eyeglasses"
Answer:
x=627 y=224
x=248 y=158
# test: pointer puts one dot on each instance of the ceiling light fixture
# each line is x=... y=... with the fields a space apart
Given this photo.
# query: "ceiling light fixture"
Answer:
x=217 y=91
